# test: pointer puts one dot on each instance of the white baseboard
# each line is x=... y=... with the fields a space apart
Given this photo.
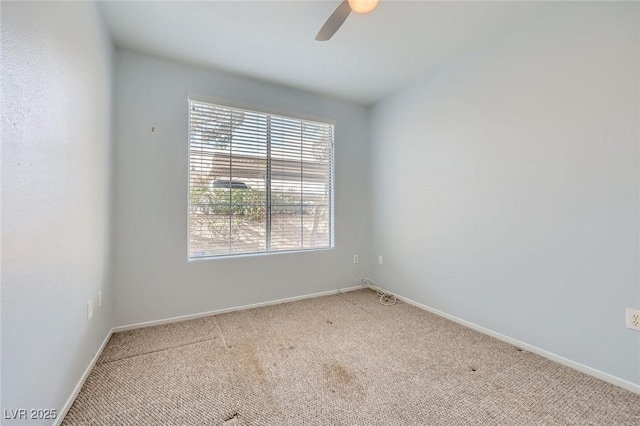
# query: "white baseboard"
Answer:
x=635 y=388
x=237 y=308
x=76 y=390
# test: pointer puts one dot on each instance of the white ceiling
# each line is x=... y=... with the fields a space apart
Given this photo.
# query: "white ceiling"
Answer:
x=370 y=57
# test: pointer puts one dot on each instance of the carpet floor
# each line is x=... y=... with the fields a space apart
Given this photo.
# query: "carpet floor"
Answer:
x=336 y=360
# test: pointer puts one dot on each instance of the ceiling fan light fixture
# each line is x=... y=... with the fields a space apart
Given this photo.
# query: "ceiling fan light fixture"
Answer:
x=363 y=6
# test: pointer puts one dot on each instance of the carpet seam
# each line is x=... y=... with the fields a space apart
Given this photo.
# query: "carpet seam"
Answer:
x=158 y=351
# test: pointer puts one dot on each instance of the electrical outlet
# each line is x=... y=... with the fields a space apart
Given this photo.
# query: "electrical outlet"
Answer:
x=100 y=299
x=633 y=319
x=356 y=259
x=380 y=260
x=89 y=310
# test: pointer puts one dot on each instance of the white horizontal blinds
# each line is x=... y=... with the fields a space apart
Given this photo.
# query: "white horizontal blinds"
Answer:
x=227 y=176
x=317 y=175
x=300 y=184
x=258 y=182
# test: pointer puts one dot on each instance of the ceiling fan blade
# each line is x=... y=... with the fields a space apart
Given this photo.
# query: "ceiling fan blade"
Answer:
x=334 y=22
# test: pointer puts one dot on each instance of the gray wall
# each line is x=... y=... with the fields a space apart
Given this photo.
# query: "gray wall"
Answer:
x=153 y=278
x=56 y=154
x=507 y=186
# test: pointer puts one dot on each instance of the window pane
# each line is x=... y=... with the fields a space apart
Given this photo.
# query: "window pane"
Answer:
x=316 y=227
x=286 y=227
x=248 y=233
x=248 y=222
x=209 y=234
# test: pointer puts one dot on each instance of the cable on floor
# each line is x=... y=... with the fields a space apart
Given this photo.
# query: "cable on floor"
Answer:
x=386 y=299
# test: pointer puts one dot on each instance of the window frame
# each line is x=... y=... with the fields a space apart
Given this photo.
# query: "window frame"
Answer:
x=270 y=112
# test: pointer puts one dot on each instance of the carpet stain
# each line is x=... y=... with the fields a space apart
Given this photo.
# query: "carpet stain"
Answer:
x=342 y=383
x=337 y=373
x=251 y=383
x=248 y=358
x=232 y=419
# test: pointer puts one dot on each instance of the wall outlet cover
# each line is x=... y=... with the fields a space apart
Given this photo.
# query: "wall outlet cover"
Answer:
x=89 y=310
x=633 y=319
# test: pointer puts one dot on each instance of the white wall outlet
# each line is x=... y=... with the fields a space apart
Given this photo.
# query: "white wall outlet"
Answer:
x=89 y=310
x=380 y=260
x=356 y=259
x=100 y=299
x=633 y=319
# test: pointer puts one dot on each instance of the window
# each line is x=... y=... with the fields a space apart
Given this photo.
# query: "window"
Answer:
x=258 y=182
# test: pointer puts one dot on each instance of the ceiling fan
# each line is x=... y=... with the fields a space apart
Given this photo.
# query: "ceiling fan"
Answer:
x=341 y=13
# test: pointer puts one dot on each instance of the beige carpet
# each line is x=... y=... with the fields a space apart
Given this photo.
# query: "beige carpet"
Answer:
x=336 y=360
